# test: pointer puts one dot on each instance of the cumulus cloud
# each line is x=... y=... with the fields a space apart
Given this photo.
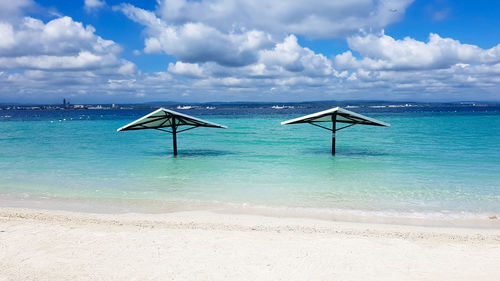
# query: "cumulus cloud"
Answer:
x=59 y=57
x=93 y=5
x=289 y=69
x=185 y=69
x=84 y=60
x=197 y=42
x=233 y=32
x=290 y=56
x=318 y=19
x=205 y=49
x=287 y=59
x=241 y=50
x=384 y=52
x=12 y=10
x=59 y=44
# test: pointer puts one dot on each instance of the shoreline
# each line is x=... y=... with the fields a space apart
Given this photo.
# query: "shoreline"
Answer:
x=194 y=245
x=145 y=206
x=215 y=220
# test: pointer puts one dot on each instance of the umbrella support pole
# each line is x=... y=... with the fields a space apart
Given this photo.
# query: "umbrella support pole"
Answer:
x=334 y=125
x=174 y=135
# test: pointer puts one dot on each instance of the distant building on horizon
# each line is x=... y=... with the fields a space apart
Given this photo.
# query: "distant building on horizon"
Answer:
x=66 y=104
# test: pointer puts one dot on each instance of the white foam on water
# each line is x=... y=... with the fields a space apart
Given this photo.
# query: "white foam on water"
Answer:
x=444 y=218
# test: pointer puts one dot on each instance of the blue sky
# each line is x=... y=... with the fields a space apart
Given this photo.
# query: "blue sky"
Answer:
x=94 y=51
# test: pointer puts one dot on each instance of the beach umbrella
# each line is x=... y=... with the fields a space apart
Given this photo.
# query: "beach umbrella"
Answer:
x=335 y=115
x=169 y=121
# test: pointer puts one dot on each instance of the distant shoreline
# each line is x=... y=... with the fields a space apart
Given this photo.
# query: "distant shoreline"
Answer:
x=271 y=104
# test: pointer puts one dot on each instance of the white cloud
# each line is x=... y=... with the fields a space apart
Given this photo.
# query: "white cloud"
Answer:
x=126 y=68
x=218 y=48
x=242 y=50
x=84 y=60
x=318 y=19
x=185 y=69
x=59 y=44
x=241 y=53
x=93 y=5
x=287 y=59
x=197 y=42
x=6 y=35
x=11 y=10
x=60 y=57
x=210 y=82
x=290 y=56
x=384 y=52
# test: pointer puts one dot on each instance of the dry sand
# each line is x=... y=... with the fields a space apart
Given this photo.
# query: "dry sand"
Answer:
x=197 y=245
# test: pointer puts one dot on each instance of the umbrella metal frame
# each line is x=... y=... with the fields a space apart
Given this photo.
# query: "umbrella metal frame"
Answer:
x=351 y=117
x=176 y=119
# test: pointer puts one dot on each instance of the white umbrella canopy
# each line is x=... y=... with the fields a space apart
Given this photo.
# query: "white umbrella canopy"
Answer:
x=335 y=115
x=163 y=119
x=342 y=116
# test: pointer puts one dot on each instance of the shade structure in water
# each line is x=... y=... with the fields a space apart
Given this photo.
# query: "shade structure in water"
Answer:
x=335 y=115
x=163 y=119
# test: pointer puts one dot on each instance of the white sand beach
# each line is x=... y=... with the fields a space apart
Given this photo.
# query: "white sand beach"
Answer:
x=198 y=245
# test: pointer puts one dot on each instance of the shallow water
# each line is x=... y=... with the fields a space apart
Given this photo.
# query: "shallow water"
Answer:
x=426 y=162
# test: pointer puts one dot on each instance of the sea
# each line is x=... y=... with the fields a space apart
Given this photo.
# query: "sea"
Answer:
x=435 y=164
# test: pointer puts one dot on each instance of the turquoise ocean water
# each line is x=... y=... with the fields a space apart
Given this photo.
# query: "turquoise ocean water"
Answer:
x=432 y=161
